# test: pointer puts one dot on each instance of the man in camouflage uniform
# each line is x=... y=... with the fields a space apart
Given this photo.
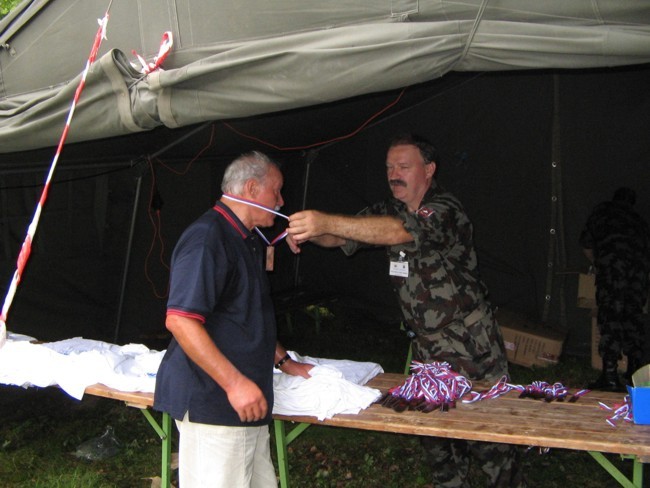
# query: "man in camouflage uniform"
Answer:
x=435 y=274
x=616 y=240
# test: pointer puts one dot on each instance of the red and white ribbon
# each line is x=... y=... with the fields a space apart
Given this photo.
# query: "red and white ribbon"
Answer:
x=621 y=411
x=26 y=248
x=431 y=386
x=540 y=390
x=165 y=47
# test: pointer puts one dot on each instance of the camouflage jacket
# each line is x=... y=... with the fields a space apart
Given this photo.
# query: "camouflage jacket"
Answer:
x=443 y=283
x=617 y=234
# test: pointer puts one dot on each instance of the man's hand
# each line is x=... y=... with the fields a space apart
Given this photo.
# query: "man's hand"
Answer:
x=307 y=224
x=293 y=245
x=247 y=400
x=314 y=226
x=297 y=369
x=243 y=394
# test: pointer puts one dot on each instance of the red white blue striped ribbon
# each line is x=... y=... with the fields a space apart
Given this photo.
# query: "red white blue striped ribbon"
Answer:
x=245 y=201
x=621 y=411
x=536 y=390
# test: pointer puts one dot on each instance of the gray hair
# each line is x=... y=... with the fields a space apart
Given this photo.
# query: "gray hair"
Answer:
x=253 y=165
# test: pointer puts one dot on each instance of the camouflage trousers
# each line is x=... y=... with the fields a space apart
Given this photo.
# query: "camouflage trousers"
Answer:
x=620 y=298
x=474 y=350
x=450 y=461
x=477 y=352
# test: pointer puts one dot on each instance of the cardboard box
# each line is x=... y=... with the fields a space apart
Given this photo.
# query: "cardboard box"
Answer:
x=596 y=360
x=587 y=290
x=529 y=344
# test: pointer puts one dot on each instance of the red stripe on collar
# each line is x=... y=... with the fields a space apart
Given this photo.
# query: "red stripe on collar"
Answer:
x=229 y=218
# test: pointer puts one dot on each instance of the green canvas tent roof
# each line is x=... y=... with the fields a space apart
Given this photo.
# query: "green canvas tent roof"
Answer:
x=237 y=59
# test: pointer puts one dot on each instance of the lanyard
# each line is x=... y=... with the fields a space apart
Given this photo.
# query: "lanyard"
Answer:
x=266 y=209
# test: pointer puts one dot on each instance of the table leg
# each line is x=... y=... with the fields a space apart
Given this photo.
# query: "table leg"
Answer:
x=164 y=431
x=637 y=476
x=166 y=457
x=409 y=358
x=282 y=440
x=281 y=448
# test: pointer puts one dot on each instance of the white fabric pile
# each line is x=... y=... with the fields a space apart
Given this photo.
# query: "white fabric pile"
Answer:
x=74 y=364
x=336 y=386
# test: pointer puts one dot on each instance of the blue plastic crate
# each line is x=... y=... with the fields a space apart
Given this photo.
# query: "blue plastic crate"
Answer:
x=640 y=397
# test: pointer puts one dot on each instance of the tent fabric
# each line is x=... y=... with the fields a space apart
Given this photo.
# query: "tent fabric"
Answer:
x=239 y=59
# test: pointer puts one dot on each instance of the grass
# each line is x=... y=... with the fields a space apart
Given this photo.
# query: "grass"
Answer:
x=40 y=429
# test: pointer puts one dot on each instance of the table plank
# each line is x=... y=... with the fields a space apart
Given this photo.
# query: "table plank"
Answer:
x=133 y=398
x=508 y=419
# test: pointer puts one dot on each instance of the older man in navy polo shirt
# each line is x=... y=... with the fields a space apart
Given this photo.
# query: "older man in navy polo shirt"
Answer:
x=216 y=378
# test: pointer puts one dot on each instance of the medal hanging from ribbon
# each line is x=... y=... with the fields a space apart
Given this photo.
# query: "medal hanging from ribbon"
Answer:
x=270 y=249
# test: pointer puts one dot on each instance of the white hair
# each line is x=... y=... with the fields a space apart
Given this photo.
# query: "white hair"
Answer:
x=253 y=165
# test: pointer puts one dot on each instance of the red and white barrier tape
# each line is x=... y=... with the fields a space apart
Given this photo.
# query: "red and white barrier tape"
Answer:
x=165 y=47
x=26 y=248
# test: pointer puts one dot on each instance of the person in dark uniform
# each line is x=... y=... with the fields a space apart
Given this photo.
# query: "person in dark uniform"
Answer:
x=616 y=240
x=434 y=271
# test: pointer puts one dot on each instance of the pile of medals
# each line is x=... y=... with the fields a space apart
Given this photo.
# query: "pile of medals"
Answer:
x=431 y=386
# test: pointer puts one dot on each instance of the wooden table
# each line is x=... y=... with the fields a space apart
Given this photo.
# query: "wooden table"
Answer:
x=508 y=419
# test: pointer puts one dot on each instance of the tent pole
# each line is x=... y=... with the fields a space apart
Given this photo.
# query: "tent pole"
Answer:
x=127 y=258
x=559 y=192
x=134 y=214
x=556 y=247
x=181 y=139
x=311 y=157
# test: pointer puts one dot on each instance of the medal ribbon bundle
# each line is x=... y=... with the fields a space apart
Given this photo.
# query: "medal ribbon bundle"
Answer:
x=538 y=390
x=434 y=386
x=431 y=386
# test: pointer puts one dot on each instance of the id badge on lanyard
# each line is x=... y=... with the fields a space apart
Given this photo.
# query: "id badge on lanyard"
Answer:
x=400 y=267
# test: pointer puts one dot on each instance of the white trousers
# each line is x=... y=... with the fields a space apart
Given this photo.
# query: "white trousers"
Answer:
x=217 y=456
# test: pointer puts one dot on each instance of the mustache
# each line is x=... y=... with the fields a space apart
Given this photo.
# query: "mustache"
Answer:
x=397 y=183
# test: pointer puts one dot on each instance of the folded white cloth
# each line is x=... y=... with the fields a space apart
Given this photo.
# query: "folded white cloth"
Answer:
x=335 y=386
x=74 y=364
x=357 y=372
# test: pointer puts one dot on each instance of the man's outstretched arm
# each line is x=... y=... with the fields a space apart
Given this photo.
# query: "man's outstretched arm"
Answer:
x=332 y=230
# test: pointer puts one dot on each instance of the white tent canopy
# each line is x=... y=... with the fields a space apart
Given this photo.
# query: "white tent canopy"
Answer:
x=237 y=59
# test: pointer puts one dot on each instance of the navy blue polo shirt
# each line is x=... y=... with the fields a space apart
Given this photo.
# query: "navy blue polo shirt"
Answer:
x=217 y=276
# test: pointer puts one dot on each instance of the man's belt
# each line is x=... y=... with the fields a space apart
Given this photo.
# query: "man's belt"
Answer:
x=474 y=316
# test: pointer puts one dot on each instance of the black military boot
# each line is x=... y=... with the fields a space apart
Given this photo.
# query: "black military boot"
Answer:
x=608 y=380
